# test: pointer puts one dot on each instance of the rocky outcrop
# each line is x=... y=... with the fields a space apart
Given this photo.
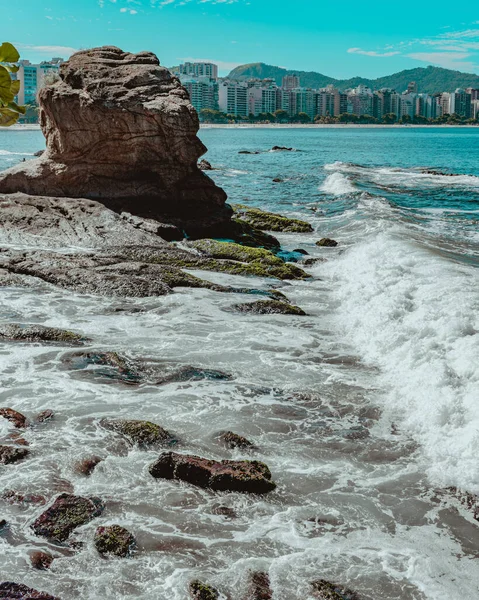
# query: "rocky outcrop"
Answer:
x=269 y=307
x=11 y=454
x=120 y=129
x=18 y=420
x=203 y=591
x=18 y=591
x=268 y=221
x=205 y=165
x=228 y=475
x=140 y=433
x=115 y=540
x=260 y=587
x=66 y=514
x=39 y=333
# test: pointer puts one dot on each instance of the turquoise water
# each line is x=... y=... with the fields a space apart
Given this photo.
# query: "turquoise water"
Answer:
x=366 y=410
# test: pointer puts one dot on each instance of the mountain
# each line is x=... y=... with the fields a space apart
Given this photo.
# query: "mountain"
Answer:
x=429 y=80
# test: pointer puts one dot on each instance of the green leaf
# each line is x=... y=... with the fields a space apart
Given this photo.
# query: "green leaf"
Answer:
x=15 y=87
x=5 y=86
x=12 y=68
x=7 y=117
x=13 y=106
x=8 y=53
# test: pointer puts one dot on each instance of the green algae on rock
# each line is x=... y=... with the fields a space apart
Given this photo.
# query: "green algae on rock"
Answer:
x=141 y=433
x=328 y=242
x=269 y=307
x=39 y=333
x=202 y=591
x=114 y=539
x=233 y=440
x=268 y=221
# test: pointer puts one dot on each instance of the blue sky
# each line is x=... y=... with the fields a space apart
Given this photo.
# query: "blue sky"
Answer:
x=339 y=39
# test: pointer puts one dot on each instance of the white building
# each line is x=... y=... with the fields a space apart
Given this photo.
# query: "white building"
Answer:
x=233 y=98
x=32 y=78
x=199 y=69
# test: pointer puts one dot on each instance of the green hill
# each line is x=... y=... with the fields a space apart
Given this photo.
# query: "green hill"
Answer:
x=429 y=79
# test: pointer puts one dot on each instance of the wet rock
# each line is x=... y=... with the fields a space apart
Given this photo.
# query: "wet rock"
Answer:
x=228 y=475
x=269 y=307
x=324 y=590
x=205 y=165
x=249 y=152
x=260 y=587
x=268 y=221
x=41 y=560
x=14 y=417
x=13 y=497
x=301 y=251
x=45 y=416
x=111 y=365
x=18 y=591
x=190 y=373
x=39 y=153
x=113 y=539
x=141 y=433
x=470 y=501
x=242 y=260
x=224 y=511
x=203 y=591
x=87 y=465
x=327 y=242
x=281 y=149
x=66 y=514
x=233 y=440
x=39 y=333
x=3 y=524
x=356 y=433
x=138 y=151
x=10 y=454
x=278 y=180
x=309 y=262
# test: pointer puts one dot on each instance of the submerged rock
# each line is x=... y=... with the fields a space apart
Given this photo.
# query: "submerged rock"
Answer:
x=41 y=560
x=233 y=440
x=141 y=433
x=111 y=365
x=13 y=497
x=282 y=149
x=138 y=149
x=249 y=152
x=228 y=475
x=18 y=591
x=269 y=307
x=87 y=465
x=260 y=587
x=14 y=417
x=264 y=220
x=39 y=333
x=203 y=591
x=327 y=242
x=45 y=416
x=10 y=454
x=66 y=514
x=113 y=539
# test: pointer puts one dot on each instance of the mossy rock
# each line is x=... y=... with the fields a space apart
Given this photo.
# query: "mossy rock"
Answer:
x=112 y=365
x=233 y=440
x=268 y=221
x=203 y=591
x=269 y=307
x=327 y=242
x=38 y=333
x=141 y=433
x=114 y=540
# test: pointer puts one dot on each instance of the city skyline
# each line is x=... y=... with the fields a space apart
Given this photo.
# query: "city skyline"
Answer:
x=234 y=32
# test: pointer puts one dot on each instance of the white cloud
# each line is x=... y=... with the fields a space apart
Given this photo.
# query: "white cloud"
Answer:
x=63 y=51
x=371 y=52
x=448 y=60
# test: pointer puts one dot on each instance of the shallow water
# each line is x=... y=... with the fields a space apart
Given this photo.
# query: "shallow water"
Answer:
x=365 y=410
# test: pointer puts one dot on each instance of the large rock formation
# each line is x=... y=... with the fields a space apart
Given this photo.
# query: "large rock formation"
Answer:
x=120 y=129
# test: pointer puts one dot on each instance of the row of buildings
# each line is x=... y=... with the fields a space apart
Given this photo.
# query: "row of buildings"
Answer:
x=33 y=77
x=260 y=96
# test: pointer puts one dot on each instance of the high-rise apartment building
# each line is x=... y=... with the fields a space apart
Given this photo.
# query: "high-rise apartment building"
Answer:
x=233 y=98
x=33 y=77
x=290 y=82
x=203 y=92
x=460 y=103
x=199 y=69
x=360 y=101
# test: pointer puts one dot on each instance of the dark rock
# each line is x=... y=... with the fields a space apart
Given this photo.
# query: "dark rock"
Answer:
x=278 y=180
x=14 y=417
x=39 y=153
x=309 y=262
x=3 y=524
x=327 y=242
x=202 y=591
x=233 y=440
x=224 y=511
x=87 y=465
x=18 y=591
x=301 y=251
x=113 y=539
x=10 y=454
x=39 y=333
x=268 y=221
x=227 y=475
x=141 y=433
x=260 y=588
x=13 y=497
x=281 y=149
x=111 y=365
x=45 y=415
x=189 y=373
x=66 y=514
x=41 y=560
x=205 y=165
x=138 y=149
x=249 y=152
x=470 y=501
x=269 y=307
x=15 y=437
x=324 y=590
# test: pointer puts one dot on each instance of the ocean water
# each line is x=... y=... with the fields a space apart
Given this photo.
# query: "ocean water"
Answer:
x=366 y=410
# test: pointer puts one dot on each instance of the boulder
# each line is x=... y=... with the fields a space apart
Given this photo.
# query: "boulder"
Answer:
x=41 y=560
x=66 y=514
x=269 y=307
x=39 y=333
x=14 y=417
x=233 y=440
x=327 y=242
x=203 y=591
x=113 y=539
x=18 y=591
x=259 y=588
x=45 y=416
x=3 y=524
x=10 y=454
x=268 y=221
x=87 y=465
x=141 y=433
x=227 y=475
x=205 y=165
x=138 y=149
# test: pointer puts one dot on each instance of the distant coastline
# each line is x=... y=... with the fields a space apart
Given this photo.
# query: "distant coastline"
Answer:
x=327 y=126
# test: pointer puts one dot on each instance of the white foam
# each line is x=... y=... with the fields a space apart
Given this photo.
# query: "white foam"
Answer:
x=8 y=153
x=338 y=185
